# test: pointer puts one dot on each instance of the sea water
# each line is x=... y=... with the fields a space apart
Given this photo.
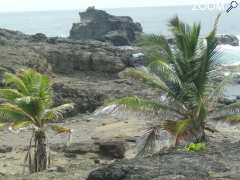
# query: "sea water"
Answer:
x=153 y=20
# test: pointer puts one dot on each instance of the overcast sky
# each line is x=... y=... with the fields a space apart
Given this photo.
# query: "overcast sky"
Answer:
x=39 y=5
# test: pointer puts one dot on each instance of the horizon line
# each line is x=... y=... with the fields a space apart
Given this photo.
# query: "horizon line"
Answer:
x=82 y=9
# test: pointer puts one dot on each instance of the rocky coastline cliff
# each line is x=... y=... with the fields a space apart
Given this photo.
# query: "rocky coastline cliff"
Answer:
x=85 y=70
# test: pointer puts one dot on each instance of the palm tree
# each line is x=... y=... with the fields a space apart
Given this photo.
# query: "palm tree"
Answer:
x=28 y=102
x=187 y=79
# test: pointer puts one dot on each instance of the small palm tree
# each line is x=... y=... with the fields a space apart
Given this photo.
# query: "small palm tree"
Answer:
x=28 y=102
x=186 y=78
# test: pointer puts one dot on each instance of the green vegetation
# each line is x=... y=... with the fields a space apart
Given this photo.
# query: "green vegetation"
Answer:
x=187 y=79
x=28 y=102
x=195 y=147
x=152 y=51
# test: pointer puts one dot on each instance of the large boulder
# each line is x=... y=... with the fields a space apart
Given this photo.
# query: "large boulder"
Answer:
x=112 y=149
x=99 y=25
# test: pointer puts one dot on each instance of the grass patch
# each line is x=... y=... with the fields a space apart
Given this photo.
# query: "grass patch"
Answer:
x=195 y=147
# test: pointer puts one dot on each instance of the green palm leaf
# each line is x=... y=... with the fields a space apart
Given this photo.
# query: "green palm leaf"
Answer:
x=56 y=113
x=29 y=102
x=10 y=94
x=150 y=79
x=21 y=124
x=185 y=77
x=11 y=79
x=162 y=69
x=139 y=104
x=163 y=43
x=10 y=112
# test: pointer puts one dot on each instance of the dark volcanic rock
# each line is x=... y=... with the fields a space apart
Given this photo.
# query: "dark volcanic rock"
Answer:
x=215 y=162
x=81 y=148
x=117 y=38
x=5 y=149
x=115 y=173
x=84 y=99
x=38 y=37
x=228 y=39
x=99 y=25
x=75 y=148
x=68 y=56
x=84 y=71
x=12 y=35
x=112 y=149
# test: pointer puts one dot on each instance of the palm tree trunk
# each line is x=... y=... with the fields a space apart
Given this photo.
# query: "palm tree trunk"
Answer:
x=200 y=135
x=40 y=153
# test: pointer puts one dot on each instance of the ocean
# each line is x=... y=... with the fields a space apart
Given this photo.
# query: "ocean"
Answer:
x=153 y=20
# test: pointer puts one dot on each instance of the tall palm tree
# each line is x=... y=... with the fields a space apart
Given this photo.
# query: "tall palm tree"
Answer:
x=28 y=102
x=186 y=78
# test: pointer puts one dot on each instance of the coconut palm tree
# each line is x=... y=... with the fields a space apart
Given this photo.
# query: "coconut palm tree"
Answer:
x=27 y=101
x=187 y=79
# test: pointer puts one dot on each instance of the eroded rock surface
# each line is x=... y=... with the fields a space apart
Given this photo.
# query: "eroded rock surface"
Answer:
x=215 y=162
x=99 y=25
x=84 y=72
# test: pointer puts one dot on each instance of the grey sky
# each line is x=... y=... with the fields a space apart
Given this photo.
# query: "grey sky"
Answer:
x=38 y=5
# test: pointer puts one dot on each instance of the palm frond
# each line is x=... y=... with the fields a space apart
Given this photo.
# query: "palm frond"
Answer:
x=162 y=69
x=146 y=77
x=45 y=91
x=10 y=94
x=179 y=129
x=163 y=43
x=208 y=58
x=31 y=105
x=10 y=112
x=19 y=124
x=56 y=113
x=139 y=104
x=12 y=79
x=60 y=129
x=186 y=37
x=148 y=141
x=217 y=90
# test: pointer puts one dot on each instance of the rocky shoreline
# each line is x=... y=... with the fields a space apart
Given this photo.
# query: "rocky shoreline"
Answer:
x=86 y=72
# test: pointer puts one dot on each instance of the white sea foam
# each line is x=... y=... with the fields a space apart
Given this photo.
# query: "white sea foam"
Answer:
x=230 y=55
x=232 y=64
x=238 y=36
x=228 y=47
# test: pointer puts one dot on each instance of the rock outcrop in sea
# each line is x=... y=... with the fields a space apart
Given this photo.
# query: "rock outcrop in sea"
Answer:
x=228 y=39
x=99 y=25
